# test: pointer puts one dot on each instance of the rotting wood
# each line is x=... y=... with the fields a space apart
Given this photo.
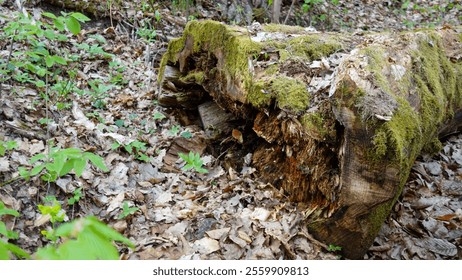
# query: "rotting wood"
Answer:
x=215 y=121
x=339 y=118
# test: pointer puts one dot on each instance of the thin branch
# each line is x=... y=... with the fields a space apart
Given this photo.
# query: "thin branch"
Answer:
x=290 y=11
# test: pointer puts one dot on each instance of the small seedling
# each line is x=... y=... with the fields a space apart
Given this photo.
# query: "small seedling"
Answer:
x=60 y=162
x=333 y=248
x=7 y=146
x=158 y=116
x=186 y=134
x=119 y=123
x=174 y=130
x=127 y=211
x=77 y=195
x=193 y=161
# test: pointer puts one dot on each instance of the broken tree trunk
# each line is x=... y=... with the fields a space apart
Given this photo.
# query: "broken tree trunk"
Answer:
x=339 y=118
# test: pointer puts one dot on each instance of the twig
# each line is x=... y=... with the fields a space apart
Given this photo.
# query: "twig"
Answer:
x=2 y=184
x=290 y=11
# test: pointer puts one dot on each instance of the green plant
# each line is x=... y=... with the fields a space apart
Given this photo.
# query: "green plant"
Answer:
x=99 y=93
x=39 y=57
x=94 y=51
x=186 y=134
x=193 y=161
x=95 y=115
x=83 y=239
x=52 y=207
x=76 y=196
x=60 y=162
x=135 y=148
x=7 y=146
x=6 y=247
x=333 y=248
x=158 y=116
x=308 y=5
x=174 y=130
x=127 y=211
x=147 y=33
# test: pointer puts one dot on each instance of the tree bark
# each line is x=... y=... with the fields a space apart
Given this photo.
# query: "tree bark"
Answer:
x=276 y=11
x=339 y=119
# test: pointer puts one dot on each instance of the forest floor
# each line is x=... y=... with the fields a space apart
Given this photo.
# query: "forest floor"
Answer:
x=103 y=101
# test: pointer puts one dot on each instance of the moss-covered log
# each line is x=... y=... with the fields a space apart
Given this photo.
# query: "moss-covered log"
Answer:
x=339 y=118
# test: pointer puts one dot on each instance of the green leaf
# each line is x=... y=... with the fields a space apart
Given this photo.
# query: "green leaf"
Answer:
x=24 y=172
x=10 y=145
x=50 y=15
x=47 y=253
x=17 y=251
x=96 y=160
x=186 y=134
x=157 y=16
x=107 y=231
x=88 y=246
x=71 y=152
x=60 y=60
x=50 y=34
x=183 y=157
x=3 y=230
x=143 y=157
x=80 y=17
x=119 y=123
x=79 y=166
x=73 y=25
x=67 y=167
x=7 y=211
x=36 y=158
x=115 y=146
x=58 y=162
x=59 y=23
x=76 y=197
x=126 y=210
x=3 y=251
x=200 y=169
x=49 y=177
x=6 y=247
x=36 y=170
x=69 y=229
x=158 y=116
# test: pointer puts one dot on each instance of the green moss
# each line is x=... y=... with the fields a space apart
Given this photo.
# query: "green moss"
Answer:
x=433 y=146
x=315 y=124
x=174 y=47
x=434 y=79
x=289 y=93
x=288 y=29
x=380 y=145
x=312 y=47
x=401 y=136
x=258 y=95
x=194 y=77
x=231 y=42
x=377 y=216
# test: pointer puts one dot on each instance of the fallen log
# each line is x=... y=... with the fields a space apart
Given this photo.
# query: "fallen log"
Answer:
x=338 y=119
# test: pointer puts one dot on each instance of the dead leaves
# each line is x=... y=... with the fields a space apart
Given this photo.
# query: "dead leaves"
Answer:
x=427 y=220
